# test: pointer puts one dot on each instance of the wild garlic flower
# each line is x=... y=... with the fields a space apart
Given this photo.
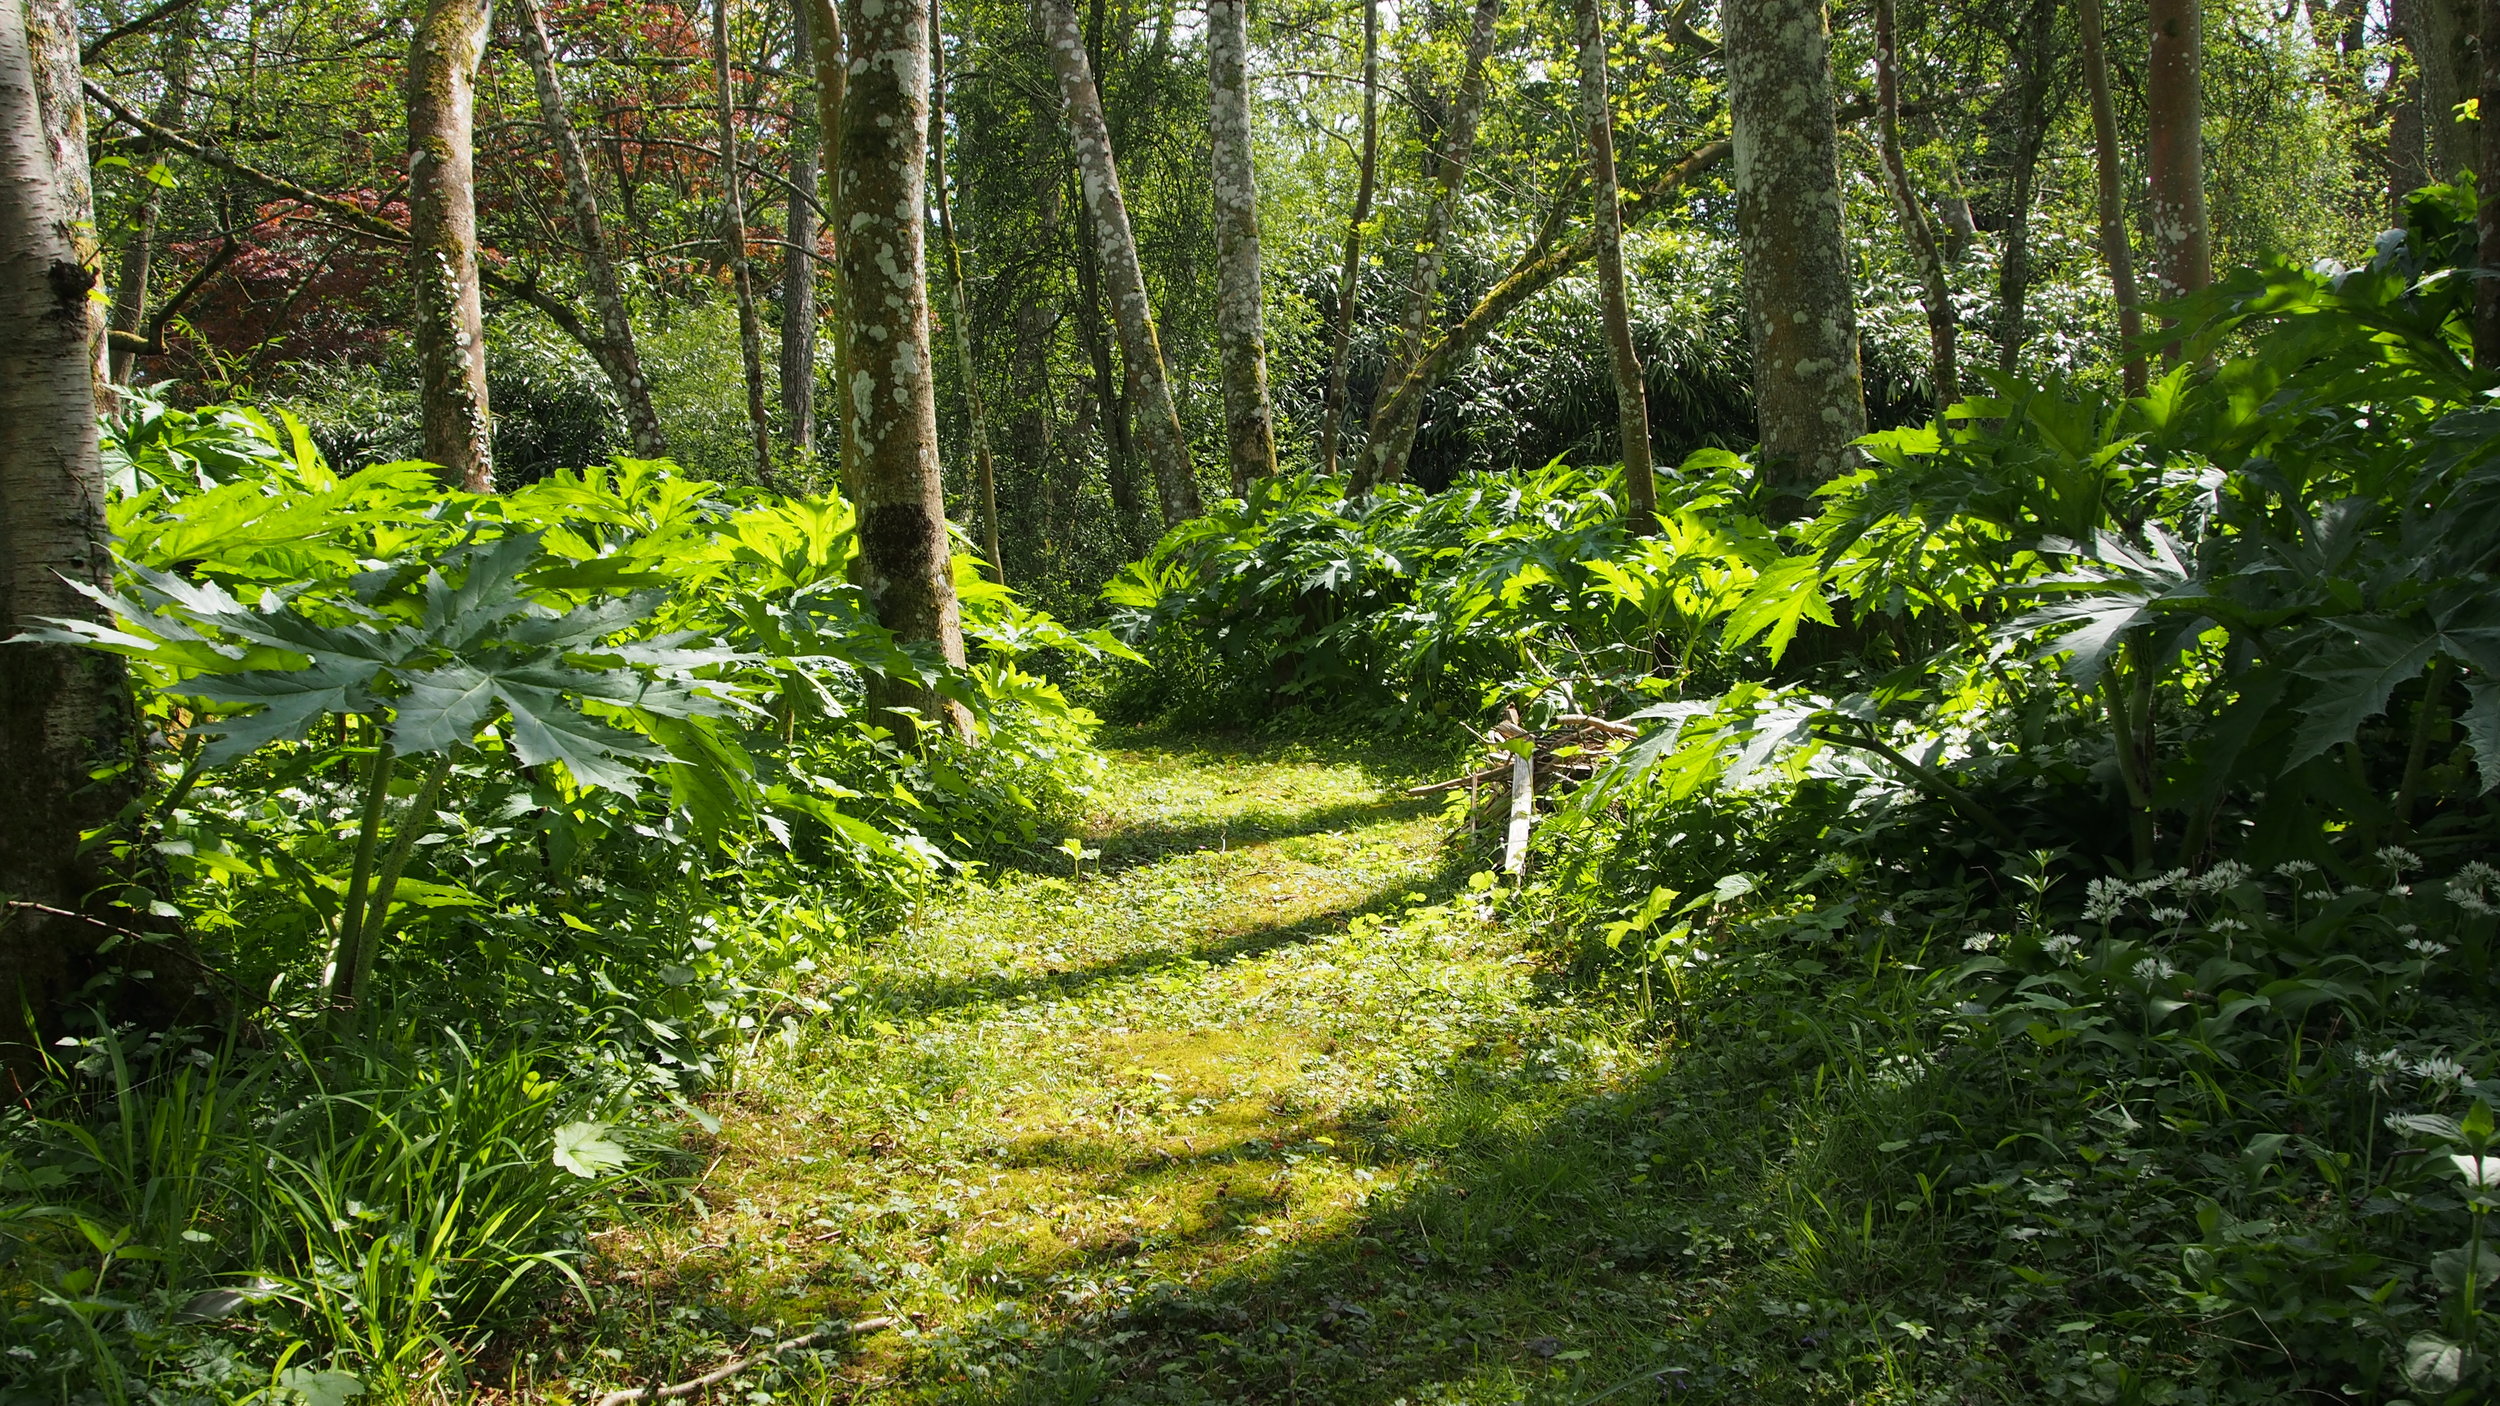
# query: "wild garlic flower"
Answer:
x=2227 y=925
x=2425 y=948
x=2155 y=969
x=2169 y=915
x=1981 y=942
x=2104 y=899
x=2061 y=944
x=2470 y=887
x=2292 y=868
x=2399 y=859
x=2440 y=1070
x=2230 y=873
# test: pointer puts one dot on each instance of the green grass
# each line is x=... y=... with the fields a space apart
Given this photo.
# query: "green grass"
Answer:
x=1266 y=1104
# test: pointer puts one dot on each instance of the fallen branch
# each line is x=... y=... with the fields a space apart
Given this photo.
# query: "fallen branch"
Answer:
x=624 y=1395
x=1472 y=778
x=1522 y=814
x=1605 y=725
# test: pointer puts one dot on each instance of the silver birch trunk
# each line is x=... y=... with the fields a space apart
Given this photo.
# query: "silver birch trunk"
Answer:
x=1124 y=278
x=889 y=399
x=64 y=711
x=798 y=268
x=1240 y=334
x=1936 y=290
x=1389 y=437
x=1606 y=224
x=734 y=248
x=968 y=367
x=1809 y=401
x=616 y=353
x=450 y=330
x=1332 y=411
x=2117 y=250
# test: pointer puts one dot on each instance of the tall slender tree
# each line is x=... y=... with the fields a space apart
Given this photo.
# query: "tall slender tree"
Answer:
x=1115 y=244
x=798 y=260
x=2117 y=250
x=2030 y=38
x=734 y=249
x=829 y=45
x=1606 y=223
x=1332 y=410
x=889 y=399
x=2444 y=37
x=2408 y=159
x=1808 y=395
x=2487 y=212
x=1240 y=330
x=450 y=326
x=178 y=51
x=65 y=716
x=616 y=351
x=959 y=306
x=1390 y=436
x=1936 y=289
x=2174 y=147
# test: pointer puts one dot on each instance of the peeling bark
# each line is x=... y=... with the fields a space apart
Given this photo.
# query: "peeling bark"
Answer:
x=889 y=399
x=798 y=263
x=1141 y=347
x=2116 y=250
x=614 y=347
x=1809 y=399
x=1240 y=334
x=968 y=368
x=64 y=711
x=1332 y=410
x=2174 y=148
x=450 y=329
x=734 y=250
x=1606 y=225
x=1388 y=439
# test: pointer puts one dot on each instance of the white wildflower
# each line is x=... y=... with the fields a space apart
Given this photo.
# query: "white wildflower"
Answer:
x=2425 y=948
x=2061 y=944
x=2399 y=859
x=2104 y=899
x=2291 y=868
x=1981 y=942
x=2169 y=915
x=2227 y=925
x=2480 y=1173
x=2153 y=969
x=2441 y=1070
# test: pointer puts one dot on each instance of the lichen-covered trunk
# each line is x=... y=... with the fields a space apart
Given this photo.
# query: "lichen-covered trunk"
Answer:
x=1124 y=278
x=798 y=268
x=1935 y=289
x=1809 y=400
x=1332 y=410
x=2487 y=212
x=450 y=329
x=889 y=400
x=1390 y=435
x=2174 y=147
x=2116 y=249
x=1240 y=332
x=2443 y=39
x=734 y=249
x=615 y=350
x=1606 y=224
x=2408 y=160
x=976 y=415
x=64 y=711
x=137 y=266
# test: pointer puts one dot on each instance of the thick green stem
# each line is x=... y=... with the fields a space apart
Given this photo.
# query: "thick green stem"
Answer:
x=386 y=883
x=344 y=979
x=1928 y=777
x=2139 y=794
x=2417 y=750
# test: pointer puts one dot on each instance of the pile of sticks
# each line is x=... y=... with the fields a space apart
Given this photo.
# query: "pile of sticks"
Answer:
x=1556 y=762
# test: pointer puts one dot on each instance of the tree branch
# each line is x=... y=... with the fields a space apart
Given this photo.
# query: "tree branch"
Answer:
x=88 y=51
x=627 y=1395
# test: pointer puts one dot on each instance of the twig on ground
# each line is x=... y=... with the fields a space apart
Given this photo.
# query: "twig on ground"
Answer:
x=625 y=1395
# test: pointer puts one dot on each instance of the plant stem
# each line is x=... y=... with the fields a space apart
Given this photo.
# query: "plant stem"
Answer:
x=378 y=906
x=2418 y=748
x=1928 y=777
x=344 y=978
x=2139 y=795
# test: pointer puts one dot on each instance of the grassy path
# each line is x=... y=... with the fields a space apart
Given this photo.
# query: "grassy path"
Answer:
x=1263 y=1106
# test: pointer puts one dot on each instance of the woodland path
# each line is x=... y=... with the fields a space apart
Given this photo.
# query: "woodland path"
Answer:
x=1268 y=1104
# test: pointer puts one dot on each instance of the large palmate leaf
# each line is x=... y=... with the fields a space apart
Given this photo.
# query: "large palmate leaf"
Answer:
x=286 y=702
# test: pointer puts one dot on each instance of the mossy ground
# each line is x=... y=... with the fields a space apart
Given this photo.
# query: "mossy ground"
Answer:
x=1265 y=1104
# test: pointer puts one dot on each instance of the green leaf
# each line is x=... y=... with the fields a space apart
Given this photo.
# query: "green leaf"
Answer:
x=584 y=1150
x=320 y=1388
x=1784 y=596
x=289 y=702
x=2482 y=728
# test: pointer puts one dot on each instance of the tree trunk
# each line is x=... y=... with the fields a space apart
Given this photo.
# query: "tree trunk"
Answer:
x=734 y=248
x=1240 y=334
x=1809 y=399
x=2408 y=163
x=829 y=47
x=64 y=711
x=1111 y=397
x=888 y=397
x=2174 y=148
x=1332 y=410
x=616 y=352
x=2031 y=117
x=450 y=331
x=1936 y=289
x=1387 y=439
x=798 y=268
x=968 y=368
x=2443 y=39
x=1141 y=347
x=2116 y=249
x=2487 y=212
x=138 y=260
x=1631 y=394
